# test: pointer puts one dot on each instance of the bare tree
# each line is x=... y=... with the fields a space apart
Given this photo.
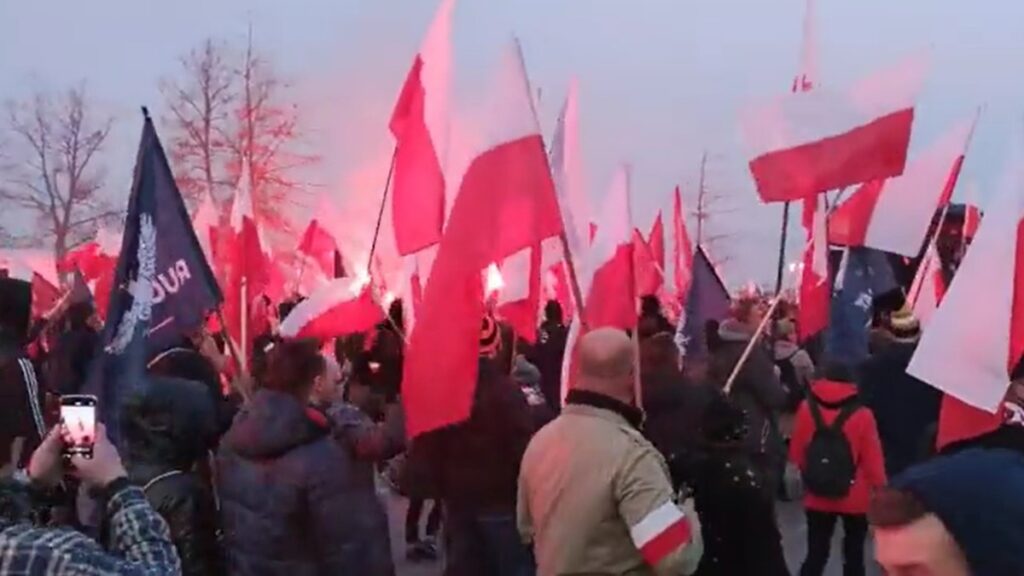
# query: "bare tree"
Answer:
x=200 y=102
x=265 y=139
x=53 y=170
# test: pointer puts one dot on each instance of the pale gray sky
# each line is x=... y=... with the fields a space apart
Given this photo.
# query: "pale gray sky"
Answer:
x=660 y=80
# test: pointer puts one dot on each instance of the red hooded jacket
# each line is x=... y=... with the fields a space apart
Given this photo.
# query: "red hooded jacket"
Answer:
x=862 y=433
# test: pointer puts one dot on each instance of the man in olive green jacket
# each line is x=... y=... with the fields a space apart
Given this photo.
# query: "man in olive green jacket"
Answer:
x=595 y=496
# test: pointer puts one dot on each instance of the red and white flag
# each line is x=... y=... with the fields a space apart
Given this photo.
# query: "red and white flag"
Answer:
x=683 y=251
x=420 y=124
x=319 y=246
x=656 y=242
x=519 y=298
x=815 y=292
x=205 y=220
x=928 y=288
x=246 y=262
x=976 y=337
x=810 y=142
x=895 y=214
x=607 y=282
x=645 y=266
x=663 y=531
x=343 y=306
x=506 y=202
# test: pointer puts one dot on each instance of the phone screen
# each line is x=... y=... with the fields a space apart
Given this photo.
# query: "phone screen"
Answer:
x=78 y=413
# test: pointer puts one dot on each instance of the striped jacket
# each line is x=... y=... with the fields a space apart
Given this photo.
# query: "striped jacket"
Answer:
x=21 y=400
x=140 y=545
x=595 y=498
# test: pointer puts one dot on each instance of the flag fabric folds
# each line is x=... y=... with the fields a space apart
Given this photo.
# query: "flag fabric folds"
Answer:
x=863 y=275
x=205 y=222
x=928 y=287
x=519 y=299
x=506 y=202
x=343 y=306
x=682 y=250
x=707 y=300
x=815 y=290
x=895 y=214
x=420 y=124
x=645 y=267
x=976 y=337
x=163 y=284
x=319 y=245
x=810 y=142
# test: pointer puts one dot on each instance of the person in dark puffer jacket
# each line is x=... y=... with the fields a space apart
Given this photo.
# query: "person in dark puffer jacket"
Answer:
x=167 y=427
x=287 y=501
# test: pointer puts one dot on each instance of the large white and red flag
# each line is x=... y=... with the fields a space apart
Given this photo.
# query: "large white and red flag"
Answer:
x=682 y=250
x=815 y=292
x=506 y=202
x=341 y=307
x=895 y=214
x=519 y=298
x=607 y=282
x=928 y=288
x=205 y=221
x=809 y=142
x=976 y=337
x=420 y=123
x=320 y=246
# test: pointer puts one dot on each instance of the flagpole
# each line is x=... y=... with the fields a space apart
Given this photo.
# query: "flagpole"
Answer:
x=380 y=213
x=574 y=282
x=245 y=325
x=782 y=248
x=753 y=342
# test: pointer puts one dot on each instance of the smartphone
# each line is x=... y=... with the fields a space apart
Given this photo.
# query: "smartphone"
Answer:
x=78 y=414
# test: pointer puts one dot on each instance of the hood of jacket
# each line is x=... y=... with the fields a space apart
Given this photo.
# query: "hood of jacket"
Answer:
x=272 y=424
x=731 y=330
x=15 y=308
x=169 y=421
x=832 y=392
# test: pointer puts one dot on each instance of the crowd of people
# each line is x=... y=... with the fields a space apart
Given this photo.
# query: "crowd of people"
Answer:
x=651 y=462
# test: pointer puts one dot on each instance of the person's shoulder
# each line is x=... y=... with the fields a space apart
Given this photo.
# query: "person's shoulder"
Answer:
x=36 y=549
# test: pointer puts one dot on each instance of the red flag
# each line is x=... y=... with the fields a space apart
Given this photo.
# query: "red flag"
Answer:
x=894 y=215
x=656 y=242
x=815 y=292
x=420 y=124
x=928 y=288
x=809 y=142
x=683 y=251
x=342 y=307
x=519 y=301
x=44 y=295
x=204 y=222
x=245 y=258
x=972 y=219
x=648 y=276
x=506 y=202
x=320 y=246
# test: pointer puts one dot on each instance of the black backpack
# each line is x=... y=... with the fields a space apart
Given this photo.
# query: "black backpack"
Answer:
x=829 y=466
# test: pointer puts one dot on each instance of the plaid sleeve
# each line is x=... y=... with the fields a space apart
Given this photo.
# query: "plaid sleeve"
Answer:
x=141 y=542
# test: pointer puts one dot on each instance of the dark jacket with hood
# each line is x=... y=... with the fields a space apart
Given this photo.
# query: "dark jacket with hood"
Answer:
x=67 y=366
x=906 y=409
x=757 y=389
x=475 y=465
x=167 y=427
x=673 y=408
x=288 y=501
x=184 y=361
x=21 y=400
x=548 y=356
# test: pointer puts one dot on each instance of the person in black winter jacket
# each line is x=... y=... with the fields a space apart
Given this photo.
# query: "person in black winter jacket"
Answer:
x=905 y=408
x=757 y=389
x=288 y=501
x=652 y=320
x=673 y=406
x=549 y=354
x=69 y=361
x=167 y=426
x=736 y=512
x=476 y=467
x=21 y=404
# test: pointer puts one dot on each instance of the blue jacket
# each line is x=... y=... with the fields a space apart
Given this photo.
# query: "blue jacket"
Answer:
x=289 y=504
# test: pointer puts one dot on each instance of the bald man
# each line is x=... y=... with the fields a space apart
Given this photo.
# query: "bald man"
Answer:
x=594 y=495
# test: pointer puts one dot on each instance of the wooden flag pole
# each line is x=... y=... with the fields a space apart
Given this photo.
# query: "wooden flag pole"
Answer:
x=754 y=339
x=245 y=325
x=380 y=213
x=782 y=248
x=574 y=282
x=233 y=351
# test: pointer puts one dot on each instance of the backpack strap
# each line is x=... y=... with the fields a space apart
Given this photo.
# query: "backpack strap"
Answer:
x=812 y=403
x=849 y=408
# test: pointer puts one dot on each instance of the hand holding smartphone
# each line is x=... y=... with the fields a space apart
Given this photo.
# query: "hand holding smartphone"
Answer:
x=78 y=415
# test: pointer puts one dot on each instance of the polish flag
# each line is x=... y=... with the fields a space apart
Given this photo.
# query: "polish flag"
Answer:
x=319 y=246
x=928 y=288
x=894 y=215
x=343 y=306
x=204 y=222
x=420 y=124
x=645 y=266
x=656 y=241
x=411 y=292
x=663 y=531
x=245 y=257
x=810 y=142
x=815 y=293
x=972 y=219
x=519 y=299
x=607 y=282
x=683 y=251
x=975 y=339
x=506 y=203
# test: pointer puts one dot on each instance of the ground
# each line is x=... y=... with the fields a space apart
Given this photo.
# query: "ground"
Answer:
x=791 y=521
